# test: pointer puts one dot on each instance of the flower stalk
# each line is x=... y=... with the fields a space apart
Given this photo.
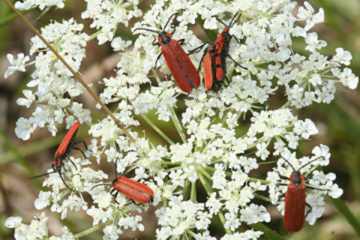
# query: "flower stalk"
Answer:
x=77 y=75
x=177 y=125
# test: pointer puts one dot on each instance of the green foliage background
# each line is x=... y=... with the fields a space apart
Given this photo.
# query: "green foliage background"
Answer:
x=339 y=125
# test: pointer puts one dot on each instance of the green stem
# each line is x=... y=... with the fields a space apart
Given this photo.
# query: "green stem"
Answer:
x=94 y=35
x=191 y=233
x=177 y=124
x=268 y=233
x=265 y=163
x=205 y=183
x=209 y=190
x=186 y=190
x=157 y=129
x=170 y=163
x=266 y=182
x=204 y=172
x=91 y=230
x=193 y=194
x=222 y=220
x=8 y=18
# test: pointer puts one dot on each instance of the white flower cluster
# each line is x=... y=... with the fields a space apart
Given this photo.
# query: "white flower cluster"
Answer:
x=106 y=15
x=322 y=184
x=37 y=229
x=226 y=134
x=52 y=89
x=43 y=4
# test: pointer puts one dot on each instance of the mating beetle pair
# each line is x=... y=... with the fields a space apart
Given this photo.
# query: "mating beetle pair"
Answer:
x=183 y=70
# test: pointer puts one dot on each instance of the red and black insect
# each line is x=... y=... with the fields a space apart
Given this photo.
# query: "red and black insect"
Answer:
x=130 y=188
x=295 y=199
x=134 y=190
x=209 y=67
x=177 y=60
x=63 y=151
x=214 y=58
x=295 y=196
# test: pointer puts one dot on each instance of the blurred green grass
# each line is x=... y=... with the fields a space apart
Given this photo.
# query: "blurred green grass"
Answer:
x=339 y=121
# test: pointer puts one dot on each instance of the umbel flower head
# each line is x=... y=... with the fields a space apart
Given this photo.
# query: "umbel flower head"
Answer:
x=210 y=172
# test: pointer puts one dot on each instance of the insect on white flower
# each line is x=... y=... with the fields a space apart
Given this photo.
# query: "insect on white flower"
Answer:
x=209 y=166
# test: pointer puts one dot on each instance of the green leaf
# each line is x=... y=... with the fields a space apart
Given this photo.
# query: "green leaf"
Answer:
x=349 y=216
x=268 y=233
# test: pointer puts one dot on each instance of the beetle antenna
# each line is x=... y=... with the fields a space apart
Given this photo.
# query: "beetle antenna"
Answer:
x=289 y=163
x=308 y=163
x=115 y=168
x=221 y=21
x=309 y=173
x=147 y=29
x=116 y=162
x=234 y=19
x=100 y=184
x=63 y=180
x=168 y=21
x=43 y=175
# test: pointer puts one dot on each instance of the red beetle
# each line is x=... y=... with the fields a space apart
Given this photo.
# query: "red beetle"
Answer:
x=295 y=199
x=214 y=58
x=63 y=150
x=177 y=60
x=209 y=67
x=222 y=44
x=134 y=190
x=294 y=216
x=130 y=188
x=65 y=145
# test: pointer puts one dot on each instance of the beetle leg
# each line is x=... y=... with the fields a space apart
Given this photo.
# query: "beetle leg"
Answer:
x=113 y=191
x=155 y=42
x=173 y=26
x=81 y=151
x=227 y=80
x=284 y=178
x=309 y=210
x=168 y=77
x=72 y=162
x=157 y=60
x=66 y=167
x=43 y=174
x=311 y=171
x=236 y=39
x=115 y=194
x=201 y=60
x=316 y=188
x=236 y=63
x=181 y=41
x=197 y=49
x=85 y=145
x=282 y=184
x=75 y=143
x=63 y=180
